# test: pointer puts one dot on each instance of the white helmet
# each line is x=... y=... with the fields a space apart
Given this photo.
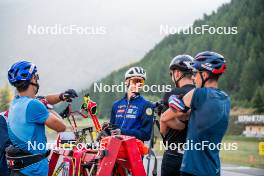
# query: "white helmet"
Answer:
x=135 y=72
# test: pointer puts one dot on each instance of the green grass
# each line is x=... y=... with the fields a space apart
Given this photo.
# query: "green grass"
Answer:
x=247 y=153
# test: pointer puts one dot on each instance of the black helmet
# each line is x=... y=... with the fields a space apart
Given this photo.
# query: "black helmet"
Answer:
x=182 y=62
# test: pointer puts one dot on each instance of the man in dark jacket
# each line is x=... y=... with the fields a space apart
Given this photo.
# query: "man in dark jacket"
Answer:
x=4 y=142
x=181 y=74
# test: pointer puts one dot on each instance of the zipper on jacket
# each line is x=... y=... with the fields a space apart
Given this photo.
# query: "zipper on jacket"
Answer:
x=125 y=113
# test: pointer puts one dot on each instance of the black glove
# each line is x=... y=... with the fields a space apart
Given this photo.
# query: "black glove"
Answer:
x=68 y=95
x=107 y=129
x=159 y=107
x=65 y=113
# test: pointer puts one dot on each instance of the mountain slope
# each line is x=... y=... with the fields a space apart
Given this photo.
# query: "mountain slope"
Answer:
x=243 y=51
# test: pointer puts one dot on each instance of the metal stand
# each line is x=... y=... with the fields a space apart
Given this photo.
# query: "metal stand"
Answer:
x=151 y=152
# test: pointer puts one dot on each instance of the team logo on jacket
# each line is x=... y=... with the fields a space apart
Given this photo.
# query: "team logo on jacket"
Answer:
x=149 y=111
x=132 y=111
x=131 y=116
x=120 y=110
x=121 y=106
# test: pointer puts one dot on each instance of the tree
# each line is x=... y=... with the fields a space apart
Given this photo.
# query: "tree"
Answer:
x=258 y=100
x=5 y=97
x=248 y=79
x=244 y=53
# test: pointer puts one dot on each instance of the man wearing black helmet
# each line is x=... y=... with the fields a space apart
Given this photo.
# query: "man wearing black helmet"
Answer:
x=175 y=131
x=27 y=118
x=208 y=121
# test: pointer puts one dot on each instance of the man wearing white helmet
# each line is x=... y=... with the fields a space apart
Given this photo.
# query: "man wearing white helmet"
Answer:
x=133 y=114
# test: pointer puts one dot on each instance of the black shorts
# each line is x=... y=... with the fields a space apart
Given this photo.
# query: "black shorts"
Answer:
x=186 y=174
x=171 y=164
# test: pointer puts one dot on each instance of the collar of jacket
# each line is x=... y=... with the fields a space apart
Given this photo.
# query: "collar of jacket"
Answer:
x=135 y=96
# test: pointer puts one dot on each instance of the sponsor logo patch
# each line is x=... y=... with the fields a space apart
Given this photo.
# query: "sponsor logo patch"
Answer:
x=149 y=111
x=120 y=110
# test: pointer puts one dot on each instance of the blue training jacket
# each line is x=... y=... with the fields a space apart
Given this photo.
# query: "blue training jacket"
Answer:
x=133 y=117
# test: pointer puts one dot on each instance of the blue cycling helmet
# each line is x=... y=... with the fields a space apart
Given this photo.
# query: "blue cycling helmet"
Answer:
x=21 y=71
x=210 y=61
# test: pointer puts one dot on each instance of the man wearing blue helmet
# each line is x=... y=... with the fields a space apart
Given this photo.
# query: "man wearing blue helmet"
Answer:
x=208 y=121
x=27 y=119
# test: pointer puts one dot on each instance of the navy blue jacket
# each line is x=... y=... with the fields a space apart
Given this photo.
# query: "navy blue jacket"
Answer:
x=133 y=117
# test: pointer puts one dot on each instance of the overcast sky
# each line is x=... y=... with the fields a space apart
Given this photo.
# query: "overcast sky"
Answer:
x=122 y=32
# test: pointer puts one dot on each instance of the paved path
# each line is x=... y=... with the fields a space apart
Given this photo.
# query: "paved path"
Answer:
x=227 y=170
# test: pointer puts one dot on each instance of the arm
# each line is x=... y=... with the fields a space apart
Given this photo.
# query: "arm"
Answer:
x=187 y=99
x=38 y=113
x=55 y=123
x=53 y=99
x=171 y=114
x=68 y=95
x=176 y=124
x=170 y=119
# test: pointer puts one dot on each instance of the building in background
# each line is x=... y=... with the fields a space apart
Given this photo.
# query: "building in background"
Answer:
x=254 y=125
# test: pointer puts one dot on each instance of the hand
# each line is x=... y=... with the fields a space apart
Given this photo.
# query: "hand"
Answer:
x=65 y=113
x=108 y=127
x=68 y=95
x=105 y=125
x=116 y=132
x=159 y=106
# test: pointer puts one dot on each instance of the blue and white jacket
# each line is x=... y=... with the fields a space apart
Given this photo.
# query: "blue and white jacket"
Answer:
x=133 y=117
